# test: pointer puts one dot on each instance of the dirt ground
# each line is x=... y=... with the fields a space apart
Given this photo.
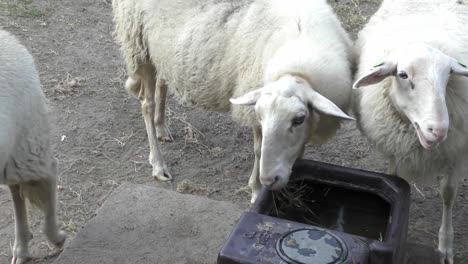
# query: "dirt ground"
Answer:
x=101 y=142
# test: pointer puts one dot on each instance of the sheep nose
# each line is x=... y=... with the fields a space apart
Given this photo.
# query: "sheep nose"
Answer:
x=439 y=132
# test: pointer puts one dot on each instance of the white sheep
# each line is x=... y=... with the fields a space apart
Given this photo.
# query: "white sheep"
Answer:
x=27 y=164
x=291 y=59
x=417 y=117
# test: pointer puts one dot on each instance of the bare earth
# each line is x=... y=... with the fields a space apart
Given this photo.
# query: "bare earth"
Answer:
x=101 y=142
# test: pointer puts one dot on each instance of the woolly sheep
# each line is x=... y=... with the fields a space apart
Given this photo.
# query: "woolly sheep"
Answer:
x=417 y=117
x=27 y=164
x=290 y=59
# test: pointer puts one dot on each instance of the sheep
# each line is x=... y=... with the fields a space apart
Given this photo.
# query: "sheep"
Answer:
x=290 y=60
x=27 y=164
x=415 y=106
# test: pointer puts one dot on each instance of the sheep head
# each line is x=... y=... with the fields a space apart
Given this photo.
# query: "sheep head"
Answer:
x=420 y=75
x=285 y=110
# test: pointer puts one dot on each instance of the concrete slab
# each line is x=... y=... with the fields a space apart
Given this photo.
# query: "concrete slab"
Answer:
x=143 y=224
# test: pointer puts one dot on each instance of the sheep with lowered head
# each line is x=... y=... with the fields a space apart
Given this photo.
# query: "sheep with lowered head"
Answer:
x=291 y=60
x=27 y=164
x=411 y=96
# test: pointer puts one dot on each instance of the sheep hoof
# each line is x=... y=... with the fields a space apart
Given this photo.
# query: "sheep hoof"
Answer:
x=60 y=240
x=21 y=252
x=19 y=260
x=446 y=257
x=163 y=175
x=164 y=135
x=165 y=138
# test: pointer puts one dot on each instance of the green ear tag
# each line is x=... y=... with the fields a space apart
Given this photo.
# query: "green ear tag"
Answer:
x=379 y=64
x=464 y=66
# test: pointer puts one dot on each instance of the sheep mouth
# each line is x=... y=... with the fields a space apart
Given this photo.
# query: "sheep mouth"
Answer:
x=276 y=186
x=426 y=143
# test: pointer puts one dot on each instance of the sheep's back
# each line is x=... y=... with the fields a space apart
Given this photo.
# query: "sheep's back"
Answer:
x=400 y=22
x=193 y=48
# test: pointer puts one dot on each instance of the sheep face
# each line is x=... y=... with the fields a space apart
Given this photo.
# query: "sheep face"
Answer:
x=284 y=110
x=420 y=75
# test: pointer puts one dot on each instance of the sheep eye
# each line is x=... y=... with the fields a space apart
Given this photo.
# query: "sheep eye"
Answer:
x=298 y=120
x=403 y=75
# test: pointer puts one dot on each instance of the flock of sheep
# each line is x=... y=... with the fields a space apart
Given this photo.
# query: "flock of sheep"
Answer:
x=285 y=68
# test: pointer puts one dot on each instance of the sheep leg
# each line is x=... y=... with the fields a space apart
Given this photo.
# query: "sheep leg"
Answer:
x=22 y=233
x=448 y=191
x=161 y=129
x=160 y=171
x=254 y=181
x=48 y=194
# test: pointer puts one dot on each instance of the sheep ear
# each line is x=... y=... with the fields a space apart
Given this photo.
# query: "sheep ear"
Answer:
x=249 y=98
x=376 y=74
x=325 y=106
x=459 y=68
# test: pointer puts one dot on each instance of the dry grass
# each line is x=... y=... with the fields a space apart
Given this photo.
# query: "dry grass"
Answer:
x=189 y=187
x=192 y=134
x=354 y=13
x=295 y=197
x=68 y=86
x=21 y=8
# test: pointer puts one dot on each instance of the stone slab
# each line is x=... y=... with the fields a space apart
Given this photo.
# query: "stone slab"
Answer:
x=143 y=224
